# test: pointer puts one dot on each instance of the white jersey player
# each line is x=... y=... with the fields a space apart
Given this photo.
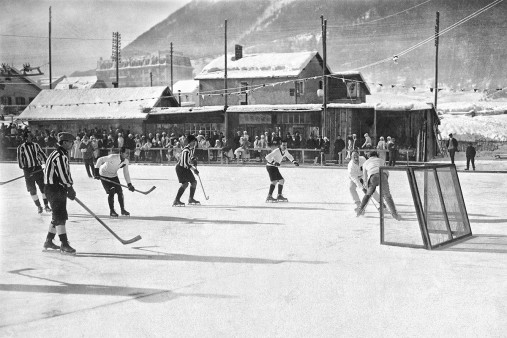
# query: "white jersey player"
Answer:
x=355 y=170
x=273 y=162
x=107 y=167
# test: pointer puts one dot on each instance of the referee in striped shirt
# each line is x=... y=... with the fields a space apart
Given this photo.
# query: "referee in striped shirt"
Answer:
x=58 y=183
x=30 y=159
x=184 y=169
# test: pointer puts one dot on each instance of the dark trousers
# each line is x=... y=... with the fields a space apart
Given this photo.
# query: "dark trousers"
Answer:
x=451 y=154
x=88 y=162
x=471 y=159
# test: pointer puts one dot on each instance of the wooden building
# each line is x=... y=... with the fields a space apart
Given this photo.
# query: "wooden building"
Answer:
x=72 y=110
x=16 y=91
x=276 y=78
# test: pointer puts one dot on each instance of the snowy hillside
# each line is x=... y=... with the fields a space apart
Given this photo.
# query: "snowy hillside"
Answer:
x=469 y=116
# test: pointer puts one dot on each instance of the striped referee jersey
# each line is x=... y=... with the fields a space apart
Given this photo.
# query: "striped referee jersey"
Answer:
x=186 y=156
x=30 y=155
x=57 y=169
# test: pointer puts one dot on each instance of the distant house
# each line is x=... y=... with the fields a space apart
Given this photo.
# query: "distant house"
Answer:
x=44 y=82
x=185 y=91
x=80 y=82
x=276 y=78
x=16 y=91
x=72 y=110
x=156 y=69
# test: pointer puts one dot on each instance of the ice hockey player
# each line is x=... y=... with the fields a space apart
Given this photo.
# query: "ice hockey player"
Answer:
x=58 y=186
x=107 y=167
x=30 y=159
x=274 y=159
x=371 y=175
x=355 y=169
x=186 y=164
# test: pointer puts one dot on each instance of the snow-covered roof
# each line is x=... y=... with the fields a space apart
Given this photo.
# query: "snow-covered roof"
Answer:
x=273 y=108
x=351 y=105
x=100 y=103
x=81 y=82
x=186 y=86
x=402 y=106
x=266 y=65
x=185 y=110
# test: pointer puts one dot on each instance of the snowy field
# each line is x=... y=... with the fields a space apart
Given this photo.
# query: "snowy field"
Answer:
x=236 y=266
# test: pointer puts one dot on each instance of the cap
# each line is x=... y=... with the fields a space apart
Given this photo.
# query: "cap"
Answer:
x=191 y=138
x=65 y=137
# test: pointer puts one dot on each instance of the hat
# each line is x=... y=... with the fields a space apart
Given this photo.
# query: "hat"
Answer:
x=450 y=135
x=65 y=137
x=191 y=138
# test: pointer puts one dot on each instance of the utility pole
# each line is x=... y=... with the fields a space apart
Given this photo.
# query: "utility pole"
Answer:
x=324 y=78
x=226 y=117
x=116 y=56
x=50 y=70
x=171 y=67
x=437 y=31
x=151 y=79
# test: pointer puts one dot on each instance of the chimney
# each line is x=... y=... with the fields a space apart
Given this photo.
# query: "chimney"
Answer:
x=238 y=49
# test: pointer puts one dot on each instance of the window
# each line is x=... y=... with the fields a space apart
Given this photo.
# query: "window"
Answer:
x=6 y=100
x=20 y=101
x=300 y=86
x=244 y=94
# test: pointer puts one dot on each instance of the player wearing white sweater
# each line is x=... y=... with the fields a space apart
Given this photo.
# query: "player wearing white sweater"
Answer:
x=355 y=169
x=107 y=167
x=273 y=162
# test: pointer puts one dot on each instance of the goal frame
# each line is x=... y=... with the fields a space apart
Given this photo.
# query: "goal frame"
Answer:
x=430 y=169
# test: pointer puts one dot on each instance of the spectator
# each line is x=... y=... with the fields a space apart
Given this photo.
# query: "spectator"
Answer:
x=75 y=151
x=381 y=146
x=87 y=151
x=242 y=151
x=339 y=145
x=452 y=147
x=393 y=152
x=470 y=154
x=324 y=149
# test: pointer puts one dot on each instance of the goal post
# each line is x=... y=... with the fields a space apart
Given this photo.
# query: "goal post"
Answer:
x=430 y=202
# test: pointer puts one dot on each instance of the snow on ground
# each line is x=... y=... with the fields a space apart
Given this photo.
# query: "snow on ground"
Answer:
x=237 y=266
x=468 y=116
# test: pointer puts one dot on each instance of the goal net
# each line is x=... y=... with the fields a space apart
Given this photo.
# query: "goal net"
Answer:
x=430 y=202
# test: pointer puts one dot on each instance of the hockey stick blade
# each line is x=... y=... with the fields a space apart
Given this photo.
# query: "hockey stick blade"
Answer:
x=17 y=178
x=128 y=241
x=126 y=186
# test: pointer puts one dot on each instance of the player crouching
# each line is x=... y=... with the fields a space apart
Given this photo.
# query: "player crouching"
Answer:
x=273 y=162
x=107 y=167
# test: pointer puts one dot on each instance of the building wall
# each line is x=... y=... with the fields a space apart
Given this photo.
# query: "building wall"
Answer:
x=12 y=94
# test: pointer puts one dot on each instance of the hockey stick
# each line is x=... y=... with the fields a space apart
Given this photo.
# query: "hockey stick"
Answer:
x=207 y=197
x=135 y=239
x=17 y=178
x=126 y=186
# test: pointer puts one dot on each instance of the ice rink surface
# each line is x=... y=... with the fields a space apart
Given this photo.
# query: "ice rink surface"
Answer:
x=238 y=267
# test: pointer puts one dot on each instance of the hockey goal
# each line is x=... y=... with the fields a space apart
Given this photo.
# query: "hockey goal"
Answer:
x=430 y=202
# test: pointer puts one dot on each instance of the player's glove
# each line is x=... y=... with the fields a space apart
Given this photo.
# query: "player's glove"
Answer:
x=277 y=164
x=296 y=164
x=96 y=174
x=71 y=193
x=364 y=190
x=131 y=187
x=361 y=180
x=194 y=162
x=196 y=171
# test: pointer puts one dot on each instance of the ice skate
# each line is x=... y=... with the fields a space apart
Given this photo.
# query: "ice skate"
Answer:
x=39 y=210
x=49 y=246
x=66 y=249
x=270 y=199
x=113 y=213
x=47 y=208
x=192 y=201
x=178 y=203
x=125 y=212
x=280 y=198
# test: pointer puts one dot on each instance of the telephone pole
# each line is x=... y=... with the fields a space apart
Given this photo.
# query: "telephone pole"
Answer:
x=116 y=56
x=226 y=117
x=437 y=30
x=172 y=68
x=50 y=70
x=324 y=78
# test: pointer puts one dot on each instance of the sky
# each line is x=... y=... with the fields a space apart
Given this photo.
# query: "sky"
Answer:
x=81 y=31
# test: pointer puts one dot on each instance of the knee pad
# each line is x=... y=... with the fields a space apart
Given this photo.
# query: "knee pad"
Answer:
x=184 y=185
x=33 y=191
x=193 y=184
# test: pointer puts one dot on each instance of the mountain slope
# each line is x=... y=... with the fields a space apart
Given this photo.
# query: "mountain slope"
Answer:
x=360 y=32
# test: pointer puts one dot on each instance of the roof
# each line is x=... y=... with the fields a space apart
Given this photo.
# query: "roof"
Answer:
x=274 y=108
x=266 y=65
x=185 y=110
x=100 y=103
x=186 y=86
x=353 y=75
x=81 y=82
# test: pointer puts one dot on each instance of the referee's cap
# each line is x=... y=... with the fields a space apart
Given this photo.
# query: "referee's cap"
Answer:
x=65 y=136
